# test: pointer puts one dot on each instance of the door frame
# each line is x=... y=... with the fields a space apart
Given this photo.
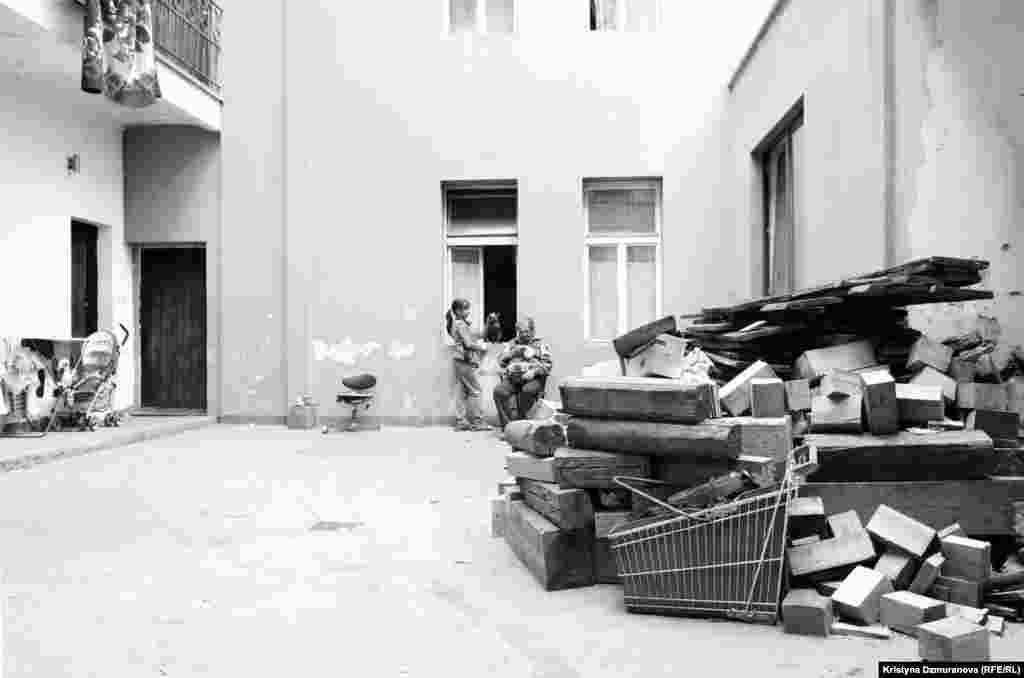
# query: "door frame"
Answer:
x=137 y=250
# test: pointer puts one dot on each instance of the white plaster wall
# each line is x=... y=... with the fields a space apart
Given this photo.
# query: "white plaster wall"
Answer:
x=960 y=146
x=39 y=201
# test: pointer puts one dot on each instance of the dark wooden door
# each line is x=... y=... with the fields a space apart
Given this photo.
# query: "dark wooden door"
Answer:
x=172 y=314
x=84 y=294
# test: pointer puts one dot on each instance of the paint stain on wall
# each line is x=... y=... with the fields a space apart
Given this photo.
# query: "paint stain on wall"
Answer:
x=345 y=352
x=400 y=351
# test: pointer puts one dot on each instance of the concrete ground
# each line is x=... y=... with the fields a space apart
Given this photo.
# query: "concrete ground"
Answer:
x=193 y=556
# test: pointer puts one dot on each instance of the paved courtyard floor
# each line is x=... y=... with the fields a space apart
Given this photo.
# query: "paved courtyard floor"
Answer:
x=193 y=556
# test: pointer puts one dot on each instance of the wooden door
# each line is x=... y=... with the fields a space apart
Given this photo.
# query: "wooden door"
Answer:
x=84 y=294
x=172 y=333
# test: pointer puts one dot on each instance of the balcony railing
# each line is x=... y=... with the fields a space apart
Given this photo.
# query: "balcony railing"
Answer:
x=188 y=31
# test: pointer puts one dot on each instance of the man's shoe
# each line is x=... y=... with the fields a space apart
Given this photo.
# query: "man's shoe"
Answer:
x=481 y=427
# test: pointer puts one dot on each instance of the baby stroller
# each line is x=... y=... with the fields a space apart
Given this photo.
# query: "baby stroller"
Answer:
x=88 y=389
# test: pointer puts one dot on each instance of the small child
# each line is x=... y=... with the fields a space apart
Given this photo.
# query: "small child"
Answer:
x=467 y=354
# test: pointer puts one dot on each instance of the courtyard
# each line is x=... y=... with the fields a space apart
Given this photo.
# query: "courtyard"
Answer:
x=194 y=555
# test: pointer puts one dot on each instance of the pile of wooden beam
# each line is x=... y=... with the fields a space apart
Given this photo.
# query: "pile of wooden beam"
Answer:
x=899 y=574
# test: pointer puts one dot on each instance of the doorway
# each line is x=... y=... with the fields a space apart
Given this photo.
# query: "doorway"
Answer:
x=486 y=276
x=84 y=275
x=172 y=328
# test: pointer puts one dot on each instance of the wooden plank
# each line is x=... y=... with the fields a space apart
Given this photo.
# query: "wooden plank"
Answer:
x=723 y=439
x=798 y=395
x=523 y=465
x=996 y=625
x=558 y=559
x=874 y=631
x=847 y=522
x=902 y=611
x=980 y=506
x=927 y=351
x=859 y=597
x=829 y=554
x=595 y=469
x=662 y=357
x=949 y=455
x=499 y=516
x=539 y=438
x=806 y=613
x=998 y=425
x=767 y=398
x=639 y=399
x=569 y=509
x=953 y=530
x=899 y=530
x=836 y=416
x=807 y=518
x=919 y=405
x=953 y=640
x=819 y=362
x=881 y=409
x=735 y=395
x=967 y=558
x=927 y=574
x=929 y=376
x=606 y=569
x=975 y=615
x=957 y=590
x=630 y=341
x=606 y=521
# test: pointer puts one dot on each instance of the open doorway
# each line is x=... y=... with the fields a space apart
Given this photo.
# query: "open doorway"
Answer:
x=481 y=247
x=84 y=279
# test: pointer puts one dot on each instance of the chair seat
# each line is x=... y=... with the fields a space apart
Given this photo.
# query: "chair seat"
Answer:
x=359 y=382
x=354 y=397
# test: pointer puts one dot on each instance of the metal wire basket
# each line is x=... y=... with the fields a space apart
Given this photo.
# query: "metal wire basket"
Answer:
x=725 y=561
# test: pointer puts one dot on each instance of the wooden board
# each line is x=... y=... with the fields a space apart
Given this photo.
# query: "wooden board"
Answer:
x=947 y=455
x=735 y=395
x=927 y=574
x=899 y=567
x=798 y=395
x=953 y=640
x=874 y=631
x=974 y=396
x=829 y=415
x=595 y=469
x=807 y=518
x=722 y=439
x=639 y=399
x=634 y=339
x=523 y=465
x=927 y=351
x=967 y=558
x=829 y=554
x=569 y=509
x=819 y=362
x=919 y=405
x=903 y=611
x=957 y=590
x=841 y=384
x=859 y=597
x=558 y=559
x=998 y=425
x=539 y=438
x=606 y=569
x=606 y=521
x=847 y=522
x=980 y=506
x=929 y=376
x=806 y=613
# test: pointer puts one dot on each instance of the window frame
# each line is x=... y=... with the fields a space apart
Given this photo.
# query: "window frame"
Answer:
x=480 y=25
x=764 y=154
x=621 y=242
x=622 y=18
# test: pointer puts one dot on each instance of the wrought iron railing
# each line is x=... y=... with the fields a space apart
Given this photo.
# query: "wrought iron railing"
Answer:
x=188 y=31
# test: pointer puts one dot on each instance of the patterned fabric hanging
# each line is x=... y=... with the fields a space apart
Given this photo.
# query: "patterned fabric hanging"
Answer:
x=118 y=55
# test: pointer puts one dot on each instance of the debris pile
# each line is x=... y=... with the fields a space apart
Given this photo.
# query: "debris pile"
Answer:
x=799 y=454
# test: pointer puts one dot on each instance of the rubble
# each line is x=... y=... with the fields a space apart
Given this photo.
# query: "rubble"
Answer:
x=896 y=456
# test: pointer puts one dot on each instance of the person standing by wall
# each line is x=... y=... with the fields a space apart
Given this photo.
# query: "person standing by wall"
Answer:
x=467 y=351
x=527 y=363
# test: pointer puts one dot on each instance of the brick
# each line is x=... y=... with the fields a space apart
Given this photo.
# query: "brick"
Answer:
x=897 y=529
x=899 y=567
x=927 y=573
x=953 y=639
x=967 y=558
x=806 y=613
x=859 y=596
x=798 y=395
x=767 y=398
x=881 y=409
x=927 y=351
x=903 y=611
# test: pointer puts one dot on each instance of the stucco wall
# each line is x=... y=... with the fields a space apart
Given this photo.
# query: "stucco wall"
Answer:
x=832 y=55
x=173 y=195
x=39 y=201
x=960 y=148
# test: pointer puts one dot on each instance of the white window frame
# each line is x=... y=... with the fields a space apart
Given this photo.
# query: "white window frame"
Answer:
x=622 y=17
x=621 y=242
x=481 y=19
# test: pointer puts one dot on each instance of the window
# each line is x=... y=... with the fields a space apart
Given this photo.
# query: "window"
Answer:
x=783 y=184
x=480 y=233
x=481 y=16
x=622 y=263
x=624 y=15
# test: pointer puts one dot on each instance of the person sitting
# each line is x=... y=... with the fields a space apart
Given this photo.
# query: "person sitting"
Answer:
x=526 y=364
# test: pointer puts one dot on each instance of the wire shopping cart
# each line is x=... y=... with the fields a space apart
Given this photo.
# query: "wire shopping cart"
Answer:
x=725 y=561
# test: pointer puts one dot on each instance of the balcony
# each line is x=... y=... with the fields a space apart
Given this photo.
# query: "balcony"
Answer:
x=188 y=33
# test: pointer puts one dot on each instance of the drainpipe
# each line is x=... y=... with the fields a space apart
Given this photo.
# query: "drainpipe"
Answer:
x=889 y=138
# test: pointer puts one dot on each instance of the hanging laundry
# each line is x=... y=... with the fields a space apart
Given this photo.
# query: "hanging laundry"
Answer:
x=118 y=54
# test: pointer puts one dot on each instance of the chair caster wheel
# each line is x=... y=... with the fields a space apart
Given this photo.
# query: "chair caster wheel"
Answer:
x=324 y=430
